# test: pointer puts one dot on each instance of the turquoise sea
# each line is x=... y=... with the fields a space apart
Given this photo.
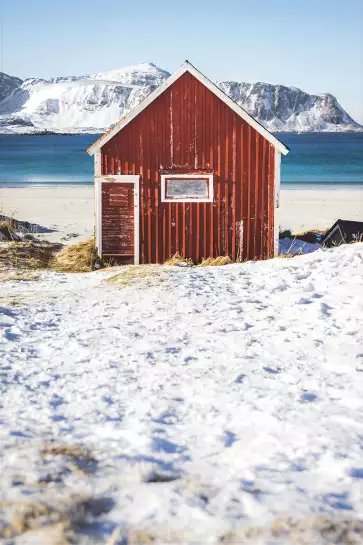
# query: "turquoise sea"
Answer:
x=315 y=160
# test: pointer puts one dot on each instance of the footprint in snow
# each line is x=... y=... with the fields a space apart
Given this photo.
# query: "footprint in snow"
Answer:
x=10 y=336
x=229 y=438
x=302 y=276
x=167 y=418
x=272 y=371
x=56 y=401
x=172 y=350
x=58 y=418
x=308 y=397
x=188 y=359
x=338 y=501
x=304 y=301
x=325 y=309
x=163 y=445
x=356 y=472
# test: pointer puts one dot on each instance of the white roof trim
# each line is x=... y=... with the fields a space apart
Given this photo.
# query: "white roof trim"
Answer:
x=187 y=67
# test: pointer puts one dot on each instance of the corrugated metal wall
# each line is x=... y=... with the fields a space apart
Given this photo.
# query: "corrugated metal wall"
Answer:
x=188 y=129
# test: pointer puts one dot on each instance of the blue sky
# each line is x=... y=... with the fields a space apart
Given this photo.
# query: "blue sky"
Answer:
x=316 y=45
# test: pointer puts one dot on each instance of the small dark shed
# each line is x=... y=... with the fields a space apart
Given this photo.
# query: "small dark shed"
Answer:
x=343 y=232
x=188 y=171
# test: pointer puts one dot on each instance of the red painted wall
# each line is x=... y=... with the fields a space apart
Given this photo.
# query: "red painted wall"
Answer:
x=188 y=129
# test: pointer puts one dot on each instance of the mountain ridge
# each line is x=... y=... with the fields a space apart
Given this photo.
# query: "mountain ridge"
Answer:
x=95 y=101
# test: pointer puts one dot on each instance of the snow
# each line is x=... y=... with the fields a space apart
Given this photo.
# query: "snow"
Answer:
x=98 y=100
x=211 y=400
x=295 y=246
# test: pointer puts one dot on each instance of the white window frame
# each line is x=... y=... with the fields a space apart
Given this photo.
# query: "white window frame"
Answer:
x=209 y=177
x=128 y=179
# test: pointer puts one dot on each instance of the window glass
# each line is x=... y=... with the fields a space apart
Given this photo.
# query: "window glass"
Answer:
x=184 y=187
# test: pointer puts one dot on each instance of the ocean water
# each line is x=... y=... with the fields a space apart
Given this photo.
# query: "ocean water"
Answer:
x=315 y=160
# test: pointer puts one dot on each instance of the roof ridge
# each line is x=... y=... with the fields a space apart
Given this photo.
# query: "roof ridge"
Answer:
x=187 y=66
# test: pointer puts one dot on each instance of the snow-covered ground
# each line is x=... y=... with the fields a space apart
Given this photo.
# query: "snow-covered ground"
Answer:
x=208 y=403
x=294 y=246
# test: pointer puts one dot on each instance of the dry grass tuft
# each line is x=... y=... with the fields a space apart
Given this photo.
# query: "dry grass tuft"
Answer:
x=7 y=232
x=206 y=262
x=32 y=515
x=72 y=451
x=6 y=225
x=289 y=255
x=131 y=273
x=75 y=258
x=139 y=537
x=312 y=236
x=27 y=255
x=177 y=258
x=55 y=522
x=19 y=276
x=294 y=531
x=215 y=261
x=73 y=459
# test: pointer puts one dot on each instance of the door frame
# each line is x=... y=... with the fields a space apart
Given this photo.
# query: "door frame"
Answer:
x=125 y=179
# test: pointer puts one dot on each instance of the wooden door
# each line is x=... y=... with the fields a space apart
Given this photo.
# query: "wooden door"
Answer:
x=118 y=220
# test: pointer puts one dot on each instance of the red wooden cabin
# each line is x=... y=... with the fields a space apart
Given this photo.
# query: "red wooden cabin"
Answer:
x=188 y=171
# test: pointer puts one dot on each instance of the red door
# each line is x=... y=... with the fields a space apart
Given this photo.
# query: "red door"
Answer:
x=118 y=220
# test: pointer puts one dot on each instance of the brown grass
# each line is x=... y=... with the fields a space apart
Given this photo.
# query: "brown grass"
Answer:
x=206 y=262
x=75 y=258
x=27 y=255
x=295 y=531
x=289 y=255
x=18 y=276
x=31 y=515
x=78 y=459
x=132 y=273
x=6 y=225
x=177 y=258
x=7 y=230
x=216 y=261
x=55 y=521
x=74 y=452
x=311 y=236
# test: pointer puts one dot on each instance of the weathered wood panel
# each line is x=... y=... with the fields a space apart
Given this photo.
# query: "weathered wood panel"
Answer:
x=118 y=219
x=188 y=129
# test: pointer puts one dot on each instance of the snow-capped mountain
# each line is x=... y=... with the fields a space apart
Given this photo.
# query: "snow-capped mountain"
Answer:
x=7 y=85
x=281 y=108
x=93 y=102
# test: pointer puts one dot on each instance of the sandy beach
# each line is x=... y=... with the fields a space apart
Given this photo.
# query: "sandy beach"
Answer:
x=70 y=210
x=67 y=210
x=304 y=209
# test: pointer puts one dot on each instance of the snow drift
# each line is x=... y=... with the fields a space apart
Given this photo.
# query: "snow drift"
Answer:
x=186 y=404
x=95 y=101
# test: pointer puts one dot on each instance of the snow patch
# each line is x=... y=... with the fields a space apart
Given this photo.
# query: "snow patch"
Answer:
x=98 y=100
x=206 y=400
x=295 y=246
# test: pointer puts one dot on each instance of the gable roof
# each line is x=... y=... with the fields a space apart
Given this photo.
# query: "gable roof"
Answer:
x=187 y=67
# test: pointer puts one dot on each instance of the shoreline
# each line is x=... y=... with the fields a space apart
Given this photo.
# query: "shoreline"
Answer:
x=306 y=186
x=69 y=209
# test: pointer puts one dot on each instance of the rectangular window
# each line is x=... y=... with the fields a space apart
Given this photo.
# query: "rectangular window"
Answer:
x=187 y=187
